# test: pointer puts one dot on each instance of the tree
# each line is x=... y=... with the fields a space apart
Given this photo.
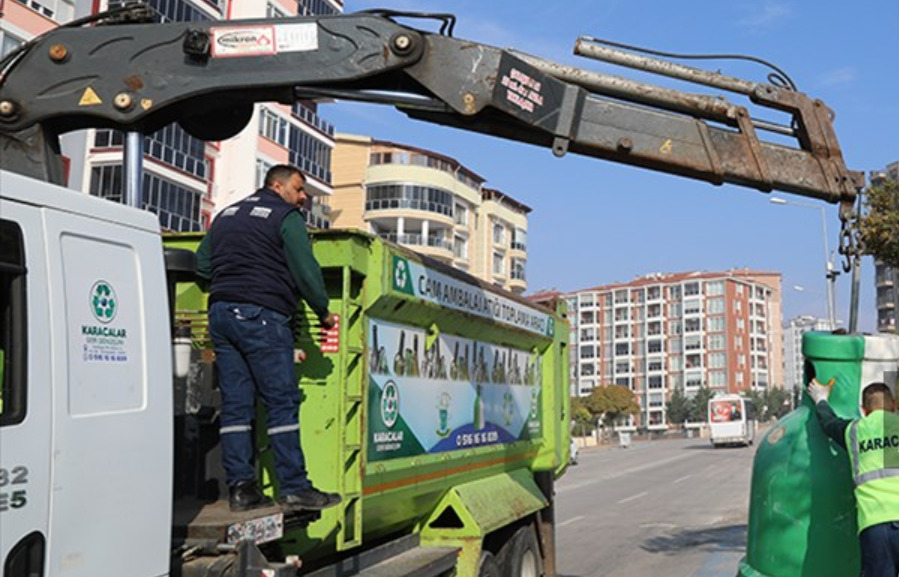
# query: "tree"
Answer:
x=612 y=402
x=879 y=225
x=699 y=405
x=773 y=403
x=583 y=420
x=678 y=407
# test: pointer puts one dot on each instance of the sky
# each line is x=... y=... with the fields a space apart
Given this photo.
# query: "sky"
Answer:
x=595 y=222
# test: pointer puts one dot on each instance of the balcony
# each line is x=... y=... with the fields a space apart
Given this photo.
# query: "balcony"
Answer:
x=431 y=245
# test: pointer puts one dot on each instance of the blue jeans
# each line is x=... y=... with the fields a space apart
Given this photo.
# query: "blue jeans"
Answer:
x=254 y=355
x=880 y=550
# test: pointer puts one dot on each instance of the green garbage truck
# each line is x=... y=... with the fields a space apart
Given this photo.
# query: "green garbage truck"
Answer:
x=437 y=407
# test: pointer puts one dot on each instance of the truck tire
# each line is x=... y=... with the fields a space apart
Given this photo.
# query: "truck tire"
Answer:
x=487 y=566
x=521 y=555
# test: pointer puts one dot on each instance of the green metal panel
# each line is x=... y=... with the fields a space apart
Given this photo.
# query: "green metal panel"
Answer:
x=802 y=520
x=395 y=495
x=470 y=511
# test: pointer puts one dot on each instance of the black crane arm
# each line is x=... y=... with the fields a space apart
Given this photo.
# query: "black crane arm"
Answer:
x=208 y=75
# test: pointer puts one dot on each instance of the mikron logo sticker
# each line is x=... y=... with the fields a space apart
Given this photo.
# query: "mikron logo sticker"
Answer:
x=243 y=41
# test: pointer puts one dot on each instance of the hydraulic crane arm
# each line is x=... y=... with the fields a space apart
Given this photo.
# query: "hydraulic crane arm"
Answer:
x=208 y=75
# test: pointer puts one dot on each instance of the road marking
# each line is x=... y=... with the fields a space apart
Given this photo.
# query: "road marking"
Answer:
x=570 y=521
x=632 y=497
x=684 y=478
x=623 y=472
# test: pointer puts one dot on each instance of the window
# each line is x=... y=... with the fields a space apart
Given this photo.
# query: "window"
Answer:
x=714 y=288
x=13 y=329
x=691 y=288
x=655 y=365
x=273 y=11
x=653 y=311
x=499 y=263
x=460 y=248
x=674 y=310
x=693 y=343
x=716 y=306
x=588 y=352
x=273 y=126
x=654 y=346
x=675 y=327
x=622 y=349
x=717 y=361
x=656 y=382
x=410 y=196
x=716 y=324
x=519 y=239
x=460 y=214
x=518 y=266
x=693 y=325
x=262 y=168
x=499 y=233
x=653 y=293
x=8 y=43
x=58 y=10
x=717 y=342
x=692 y=307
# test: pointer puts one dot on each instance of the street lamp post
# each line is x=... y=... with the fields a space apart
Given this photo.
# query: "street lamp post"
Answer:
x=830 y=274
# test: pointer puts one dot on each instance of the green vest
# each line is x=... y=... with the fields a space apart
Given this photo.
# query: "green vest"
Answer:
x=873 y=444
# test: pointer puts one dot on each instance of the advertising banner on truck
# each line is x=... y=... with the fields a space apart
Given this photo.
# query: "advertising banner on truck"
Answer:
x=447 y=393
x=412 y=278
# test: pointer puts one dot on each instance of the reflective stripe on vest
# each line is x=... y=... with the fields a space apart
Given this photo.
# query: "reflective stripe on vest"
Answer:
x=857 y=476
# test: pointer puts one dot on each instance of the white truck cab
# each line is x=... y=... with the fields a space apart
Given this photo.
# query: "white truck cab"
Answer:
x=85 y=404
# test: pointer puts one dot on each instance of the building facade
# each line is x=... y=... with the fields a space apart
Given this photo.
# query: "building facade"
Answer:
x=187 y=180
x=792 y=358
x=432 y=204
x=664 y=332
x=885 y=277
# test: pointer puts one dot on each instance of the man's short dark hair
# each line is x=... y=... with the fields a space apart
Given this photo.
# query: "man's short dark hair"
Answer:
x=872 y=392
x=282 y=173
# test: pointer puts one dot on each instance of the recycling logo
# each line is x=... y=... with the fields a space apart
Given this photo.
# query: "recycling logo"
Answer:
x=103 y=301
x=402 y=273
x=390 y=404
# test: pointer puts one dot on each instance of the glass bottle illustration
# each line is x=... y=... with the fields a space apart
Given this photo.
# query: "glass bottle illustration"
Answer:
x=378 y=360
x=399 y=360
x=464 y=364
x=455 y=368
x=478 y=417
x=412 y=366
x=497 y=376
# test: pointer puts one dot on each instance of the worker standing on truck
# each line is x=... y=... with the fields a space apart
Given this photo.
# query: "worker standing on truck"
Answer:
x=873 y=446
x=258 y=260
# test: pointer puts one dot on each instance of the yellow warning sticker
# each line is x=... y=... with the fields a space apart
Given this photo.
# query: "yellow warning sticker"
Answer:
x=89 y=98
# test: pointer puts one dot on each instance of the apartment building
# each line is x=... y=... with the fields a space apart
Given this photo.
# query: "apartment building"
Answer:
x=663 y=332
x=187 y=180
x=792 y=358
x=886 y=279
x=432 y=204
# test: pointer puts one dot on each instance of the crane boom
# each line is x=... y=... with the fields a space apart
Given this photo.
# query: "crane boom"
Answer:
x=208 y=75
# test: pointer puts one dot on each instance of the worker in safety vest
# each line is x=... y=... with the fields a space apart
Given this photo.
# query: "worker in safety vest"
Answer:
x=872 y=443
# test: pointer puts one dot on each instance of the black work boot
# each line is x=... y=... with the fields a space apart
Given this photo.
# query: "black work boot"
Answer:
x=245 y=495
x=309 y=500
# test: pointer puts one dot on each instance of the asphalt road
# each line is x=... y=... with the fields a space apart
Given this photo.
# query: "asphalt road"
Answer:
x=666 y=508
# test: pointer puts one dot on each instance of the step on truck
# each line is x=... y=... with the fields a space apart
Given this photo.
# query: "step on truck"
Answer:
x=437 y=407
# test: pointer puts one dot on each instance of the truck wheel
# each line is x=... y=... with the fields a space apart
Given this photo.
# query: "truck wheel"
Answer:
x=487 y=566
x=523 y=556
